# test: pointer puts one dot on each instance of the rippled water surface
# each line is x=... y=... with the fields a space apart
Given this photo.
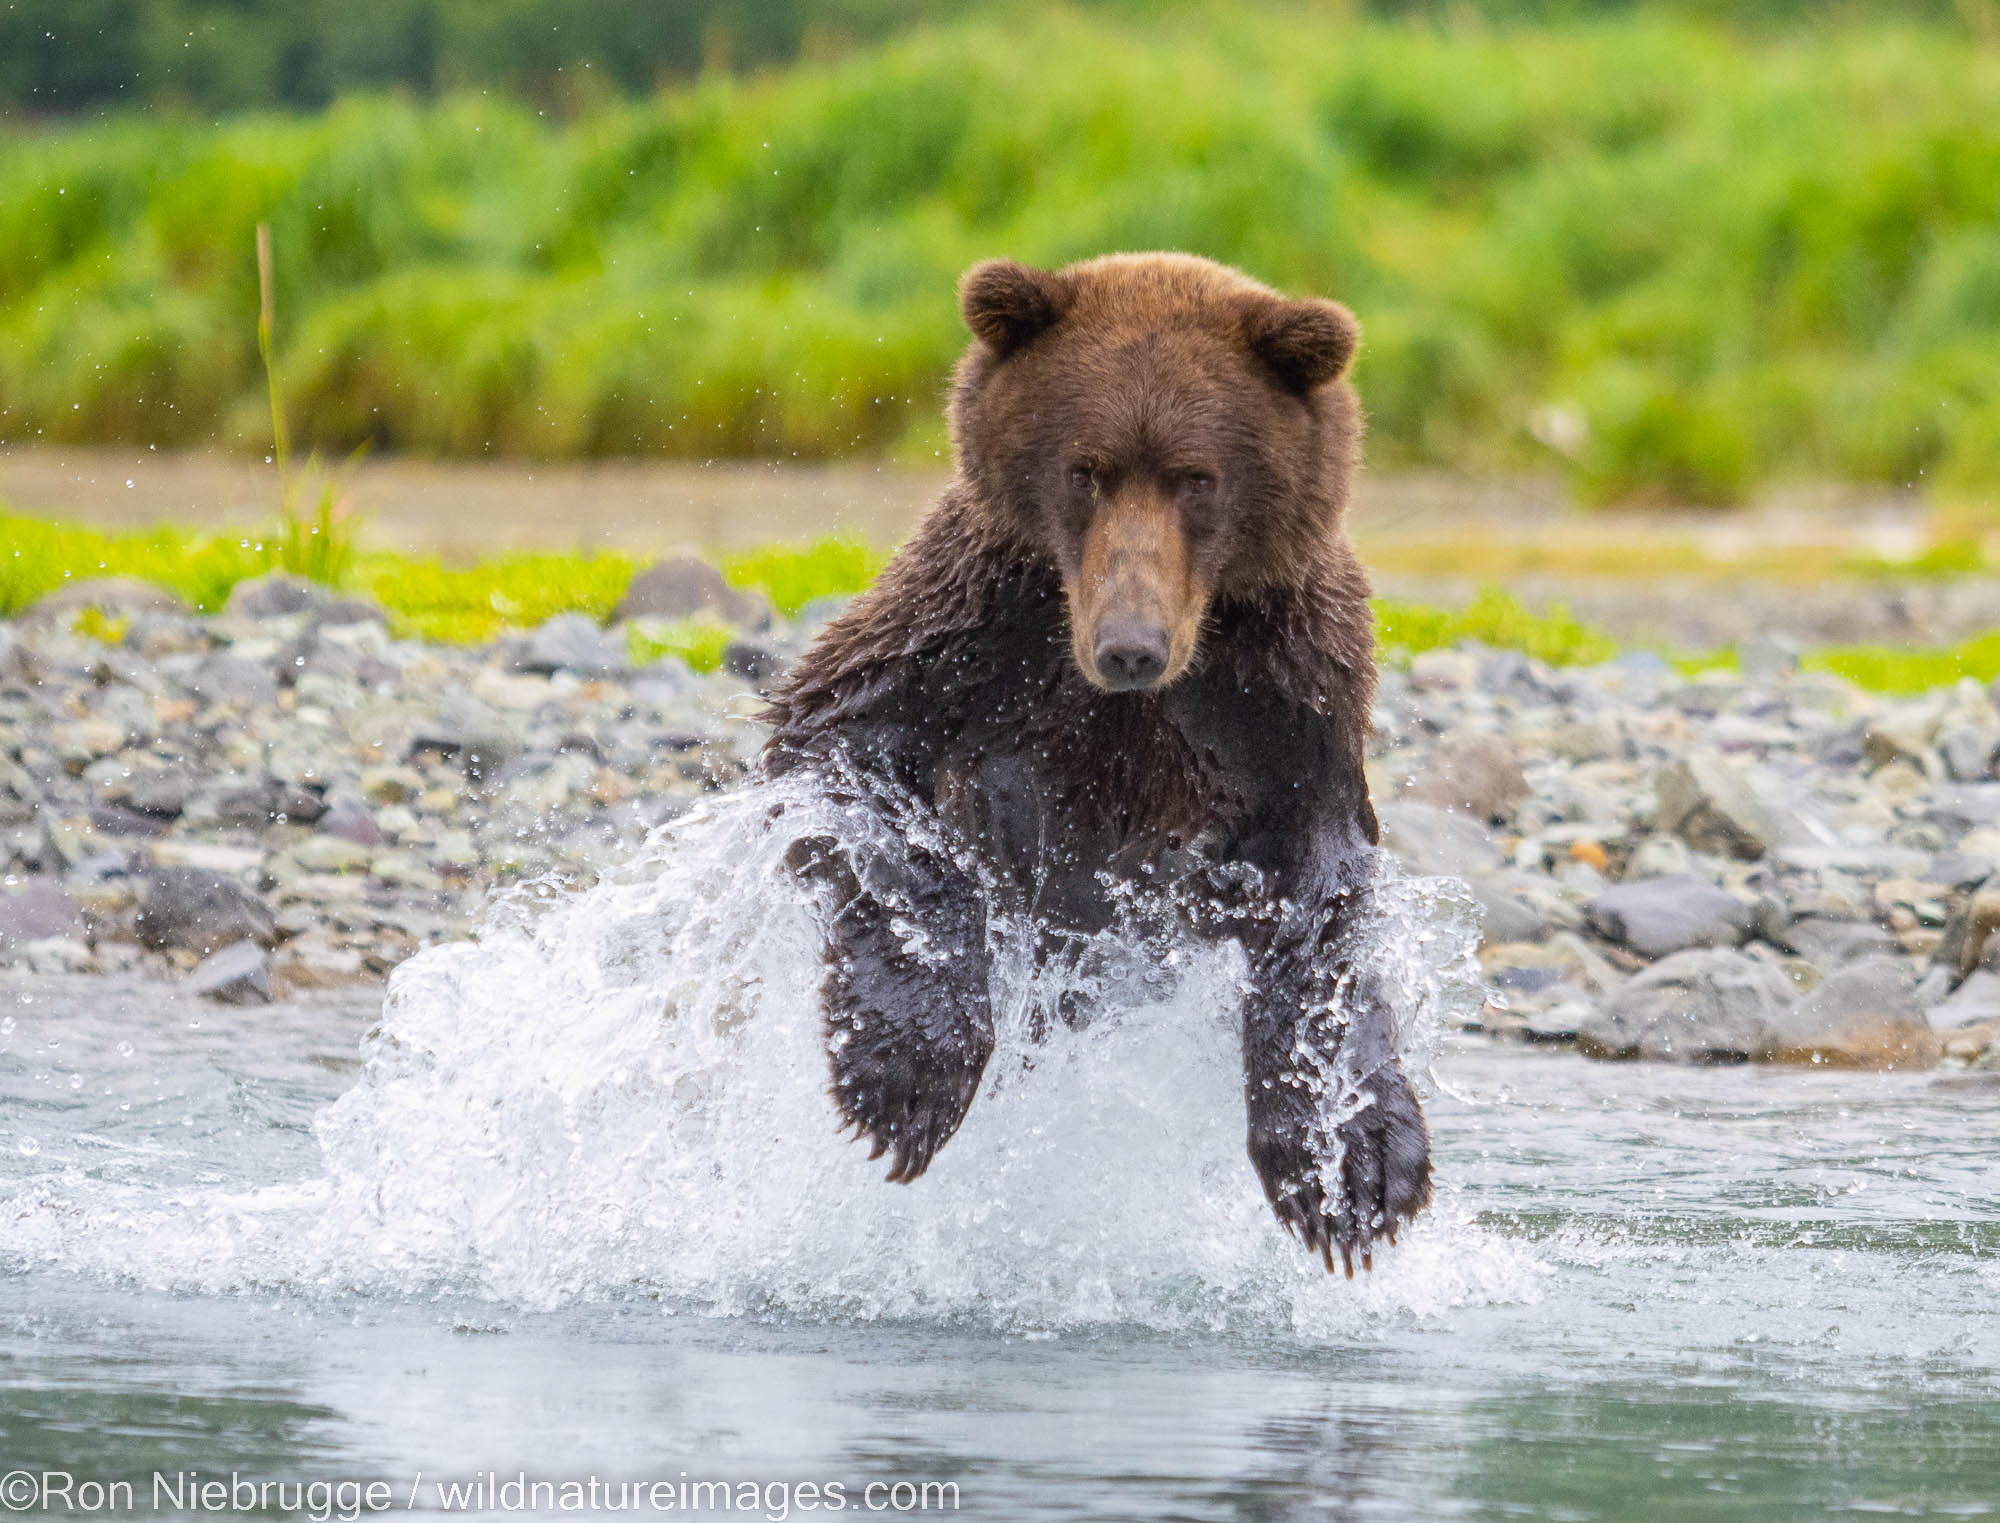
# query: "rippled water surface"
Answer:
x=575 y=1208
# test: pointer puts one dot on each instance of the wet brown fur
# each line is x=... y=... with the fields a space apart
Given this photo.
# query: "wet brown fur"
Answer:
x=1150 y=432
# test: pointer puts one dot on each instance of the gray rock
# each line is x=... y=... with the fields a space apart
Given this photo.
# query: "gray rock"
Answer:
x=1692 y=1007
x=1828 y=943
x=1968 y=930
x=1505 y=913
x=1659 y=916
x=1767 y=658
x=224 y=678
x=114 y=596
x=1967 y=749
x=1429 y=839
x=1658 y=857
x=194 y=910
x=392 y=785
x=1964 y=807
x=120 y=666
x=269 y=801
x=1974 y=1002
x=1957 y=869
x=275 y=595
x=569 y=642
x=331 y=854
x=1477 y=771
x=238 y=974
x=1867 y=861
x=112 y=820
x=1558 y=1024
x=39 y=910
x=684 y=587
x=100 y=867
x=480 y=737
x=162 y=791
x=352 y=822
x=17 y=664
x=335 y=613
x=1864 y=1015
x=752 y=661
x=1709 y=805
x=1934 y=988
x=56 y=954
x=1843 y=745
x=660 y=685
x=1902 y=732
x=310 y=655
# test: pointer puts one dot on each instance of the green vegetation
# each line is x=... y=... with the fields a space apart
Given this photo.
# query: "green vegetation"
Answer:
x=1910 y=668
x=468 y=605
x=37 y=557
x=1673 y=259
x=1493 y=618
x=464 y=605
x=792 y=576
x=1889 y=669
x=424 y=597
x=225 y=55
x=698 y=642
x=319 y=545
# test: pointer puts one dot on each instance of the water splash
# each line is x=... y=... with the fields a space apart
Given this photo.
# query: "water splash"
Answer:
x=628 y=1090
x=624 y=1092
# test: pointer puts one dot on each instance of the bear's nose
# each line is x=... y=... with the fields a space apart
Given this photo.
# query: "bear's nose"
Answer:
x=1130 y=655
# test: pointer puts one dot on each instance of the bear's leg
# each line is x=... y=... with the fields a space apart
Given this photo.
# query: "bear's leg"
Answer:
x=1336 y=1133
x=908 y=1017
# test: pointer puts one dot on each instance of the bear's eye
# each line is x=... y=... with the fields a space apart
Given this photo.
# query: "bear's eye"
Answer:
x=1083 y=479
x=1197 y=486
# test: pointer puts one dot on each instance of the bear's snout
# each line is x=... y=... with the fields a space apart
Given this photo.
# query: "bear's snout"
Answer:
x=1131 y=653
x=1137 y=598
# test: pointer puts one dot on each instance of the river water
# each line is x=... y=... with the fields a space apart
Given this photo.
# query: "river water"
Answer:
x=571 y=1209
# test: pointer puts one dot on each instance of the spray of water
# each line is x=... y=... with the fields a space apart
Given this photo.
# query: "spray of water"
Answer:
x=623 y=1092
x=629 y=1090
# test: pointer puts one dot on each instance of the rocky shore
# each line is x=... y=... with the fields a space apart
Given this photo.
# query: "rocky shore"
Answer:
x=285 y=796
x=1756 y=866
x=1763 y=865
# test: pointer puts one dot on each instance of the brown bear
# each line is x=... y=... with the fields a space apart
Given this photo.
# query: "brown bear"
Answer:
x=1129 y=648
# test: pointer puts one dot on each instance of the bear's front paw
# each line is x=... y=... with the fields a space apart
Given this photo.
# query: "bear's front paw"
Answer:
x=1381 y=1168
x=912 y=1114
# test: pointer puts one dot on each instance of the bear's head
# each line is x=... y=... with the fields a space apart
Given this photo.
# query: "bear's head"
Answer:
x=1169 y=431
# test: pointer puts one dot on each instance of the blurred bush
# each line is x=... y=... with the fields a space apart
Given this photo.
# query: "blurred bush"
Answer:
x=1676 y=259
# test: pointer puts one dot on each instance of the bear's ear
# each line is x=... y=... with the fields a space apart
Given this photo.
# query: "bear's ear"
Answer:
x=1007 y=304
x=1306 y=343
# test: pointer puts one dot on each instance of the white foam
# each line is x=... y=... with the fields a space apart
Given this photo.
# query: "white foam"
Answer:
x=626 y=1091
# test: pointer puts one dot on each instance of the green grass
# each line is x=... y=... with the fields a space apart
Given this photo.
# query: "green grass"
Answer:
x=698 y=642
x=1892 y=670
x=426 y=598
x=1493 y=618
x=465 y=605
x=471 y=604
x=792 y=576
x=37 y=557
x=1906 y=669
x=1716 y=258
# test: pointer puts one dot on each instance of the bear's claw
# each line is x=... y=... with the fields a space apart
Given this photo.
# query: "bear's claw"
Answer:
x=915 y=1136
x=1384 y=1180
